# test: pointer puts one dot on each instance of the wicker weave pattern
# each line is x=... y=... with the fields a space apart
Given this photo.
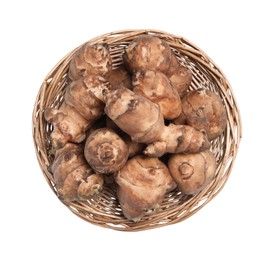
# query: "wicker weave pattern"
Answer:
x=104 y=210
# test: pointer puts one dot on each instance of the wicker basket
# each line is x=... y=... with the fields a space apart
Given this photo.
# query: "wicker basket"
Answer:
x=104 y=209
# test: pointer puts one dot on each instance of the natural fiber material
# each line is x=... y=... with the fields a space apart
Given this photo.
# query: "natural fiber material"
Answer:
x=104 y=209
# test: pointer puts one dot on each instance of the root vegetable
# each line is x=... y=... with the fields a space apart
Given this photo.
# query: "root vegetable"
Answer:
x=73 y=177
x=119 y=78
x=129 y=112
x=142 y=184
x=133 y=147
x=181 y=80
x=147 y=53
x=179 y=76
x=105 y=151
x=82 y=106
x=155 y=86
x=192 y=172
x=203 y=109
x=178 y=139
x=91 y=59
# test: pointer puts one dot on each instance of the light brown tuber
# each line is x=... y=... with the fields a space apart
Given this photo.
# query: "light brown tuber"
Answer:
x=147 y=53
x=142 y=120
x=91 y=59
x=178 y=139
x=181 y=80
x=74 y=178
x=120 y=78
x=192 y=172
x=105 y=151
x=81 y=107
x=142 y=184
x=203 y=109
x=155 y=86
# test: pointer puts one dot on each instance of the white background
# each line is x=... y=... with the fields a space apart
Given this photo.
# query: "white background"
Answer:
x=35 y=35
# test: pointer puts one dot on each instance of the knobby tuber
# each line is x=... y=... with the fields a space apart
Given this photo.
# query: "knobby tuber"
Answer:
x=147 y=53
x=178 y=139
x=203 y=109
x=152 y=53
x=74 y=178
x=120 y=78
x=155 y=86
x=105 y=151
x=81 y=107
x=179 y=76
x=192 y=172
x=128 y=111
x=90 y=59
x=141 y=186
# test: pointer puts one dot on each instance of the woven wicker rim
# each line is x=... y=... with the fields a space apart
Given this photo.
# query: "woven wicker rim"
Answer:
x=104 y=209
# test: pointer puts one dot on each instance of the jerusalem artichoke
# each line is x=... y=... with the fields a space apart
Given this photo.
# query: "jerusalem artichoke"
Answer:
x=90 y=59
x=119 y=78
x=105 y=151
x=155 y=86
x=127 y=110
x=73 y=177
x=81 y=107
x=203 y=109
x=142 y=184
x=192 y=172
x=147 y=53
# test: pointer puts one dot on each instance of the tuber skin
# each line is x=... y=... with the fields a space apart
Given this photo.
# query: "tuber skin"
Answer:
x=147 y=53
x=178 y=139
x=105 y=151
x=155 y=86
x=192 y=172
x=74 y=178
x=181 y=80
x=120 y=78
x=82 y=106
x=128 y=111
x=141 y=186
x=203 y=109
x=133 y=147
x=90 y=59
x=179 y=76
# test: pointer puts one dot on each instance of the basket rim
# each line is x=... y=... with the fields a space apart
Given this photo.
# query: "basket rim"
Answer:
x=233 y=131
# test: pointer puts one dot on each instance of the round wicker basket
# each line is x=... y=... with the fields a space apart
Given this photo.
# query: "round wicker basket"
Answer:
x=104 y=209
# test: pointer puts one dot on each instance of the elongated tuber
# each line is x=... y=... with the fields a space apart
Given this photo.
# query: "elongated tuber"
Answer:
x=142 y=184
x=119 y=78
x=147 y=53
x=105 y=151
x=82 y=106
x=74 y=178
x=203 y=109
x=155 y=86
x=192 y=172
x=178 y=139
x=129 y=112
x=91 y=59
